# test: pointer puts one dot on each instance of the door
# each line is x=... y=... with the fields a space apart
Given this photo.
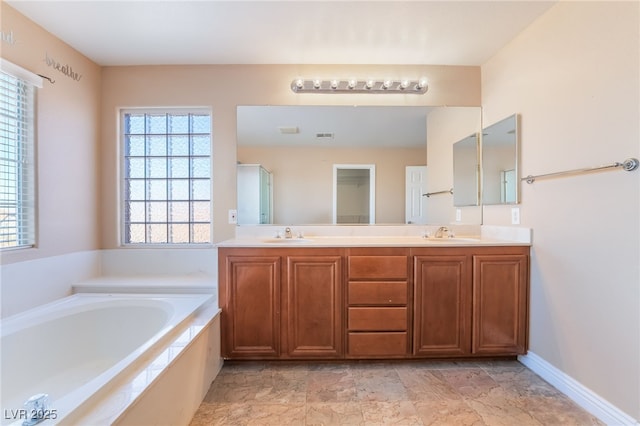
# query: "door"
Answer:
x=442 y=307
x=313 y=292
x=250 y=305
x=265 y=196
x=415 y=186
x=508 y=193
x=500 y=310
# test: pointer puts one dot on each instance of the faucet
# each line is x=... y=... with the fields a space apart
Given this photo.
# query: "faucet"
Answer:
x=442 y=232
x=37 y=408
x=287 y=233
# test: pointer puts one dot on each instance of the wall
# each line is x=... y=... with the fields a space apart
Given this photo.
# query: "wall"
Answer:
x=573 y=77
x=223 y=88
x=67 y=135
x=310 y=200
x=446 y=126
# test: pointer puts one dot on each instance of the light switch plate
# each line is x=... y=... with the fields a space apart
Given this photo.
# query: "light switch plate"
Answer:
x=515 y=216
x=233 y=216
x=458 y=215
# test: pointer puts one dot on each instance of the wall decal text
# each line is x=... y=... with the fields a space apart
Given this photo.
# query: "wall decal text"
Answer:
x=64 y=69
x=8 y=37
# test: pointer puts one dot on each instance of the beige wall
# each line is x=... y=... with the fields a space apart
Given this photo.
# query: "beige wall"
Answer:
x=573 y=75
x=303 y=179
x=446 y=126
x=223 y=88
x=67 y=139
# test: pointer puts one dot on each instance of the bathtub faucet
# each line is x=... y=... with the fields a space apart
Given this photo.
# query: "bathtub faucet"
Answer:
x=37 y=408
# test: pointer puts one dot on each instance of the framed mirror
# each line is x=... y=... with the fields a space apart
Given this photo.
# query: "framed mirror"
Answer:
x=466 y=172
x=500 y=177
x=299 y=145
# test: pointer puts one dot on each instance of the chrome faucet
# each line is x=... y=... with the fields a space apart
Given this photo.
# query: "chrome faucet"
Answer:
x=287 y=233
x=37 y=408
x=442 y=232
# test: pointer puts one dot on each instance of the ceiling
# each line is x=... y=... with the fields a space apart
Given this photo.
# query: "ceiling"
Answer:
x=342 y=126
x=284 y=32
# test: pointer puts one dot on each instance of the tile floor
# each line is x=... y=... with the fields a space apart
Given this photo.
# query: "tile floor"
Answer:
x=377 y=393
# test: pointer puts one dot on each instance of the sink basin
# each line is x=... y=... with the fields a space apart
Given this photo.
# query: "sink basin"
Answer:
x=286 y=240
x=451 y=240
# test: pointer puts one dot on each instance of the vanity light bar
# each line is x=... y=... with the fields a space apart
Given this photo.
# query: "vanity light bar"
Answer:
x=418 y=87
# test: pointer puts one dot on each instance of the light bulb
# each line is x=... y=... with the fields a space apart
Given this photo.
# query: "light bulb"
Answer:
x=334 y=84
x=352 y=84
x=404 y=84
x=386 y=84
x=299 y=83
x=316 y=84
x=369 y=84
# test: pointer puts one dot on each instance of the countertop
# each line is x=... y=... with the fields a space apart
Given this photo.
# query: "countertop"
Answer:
x=368 y=241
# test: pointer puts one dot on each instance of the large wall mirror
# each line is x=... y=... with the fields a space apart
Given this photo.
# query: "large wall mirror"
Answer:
x=301 y=145
x=500 y=181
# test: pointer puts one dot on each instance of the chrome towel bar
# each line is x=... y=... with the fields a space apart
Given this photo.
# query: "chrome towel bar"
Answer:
x=629 y=164
x=429 y=194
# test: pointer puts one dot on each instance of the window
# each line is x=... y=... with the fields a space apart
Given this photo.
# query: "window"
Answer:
x=167 y=176
x=17 y=165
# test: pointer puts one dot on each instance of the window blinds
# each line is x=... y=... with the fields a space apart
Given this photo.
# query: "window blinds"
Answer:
x=17 y=159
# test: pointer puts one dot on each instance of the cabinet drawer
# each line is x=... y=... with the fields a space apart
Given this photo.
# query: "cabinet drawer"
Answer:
x=378 y=319
x=378 y=267
x=377 y=293
x=377 y=344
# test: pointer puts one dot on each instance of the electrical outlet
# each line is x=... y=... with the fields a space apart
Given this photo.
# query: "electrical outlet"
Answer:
x=233 y=216
x=458 y=215
x=515 y=216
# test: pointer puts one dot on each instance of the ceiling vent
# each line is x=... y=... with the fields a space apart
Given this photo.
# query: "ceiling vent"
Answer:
x=324 y=135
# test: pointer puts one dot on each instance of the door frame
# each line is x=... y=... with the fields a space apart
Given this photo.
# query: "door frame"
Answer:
x=372 y=189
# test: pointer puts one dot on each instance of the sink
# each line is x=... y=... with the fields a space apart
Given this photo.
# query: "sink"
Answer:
x=451 y=240
x=286 y=240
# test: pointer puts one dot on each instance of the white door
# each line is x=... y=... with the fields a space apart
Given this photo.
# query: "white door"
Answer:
x=416 y=185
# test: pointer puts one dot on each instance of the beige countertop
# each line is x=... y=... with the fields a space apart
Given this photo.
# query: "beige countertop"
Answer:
x=368 y=241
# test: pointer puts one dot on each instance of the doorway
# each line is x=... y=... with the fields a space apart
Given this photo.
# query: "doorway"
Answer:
x=354 y=188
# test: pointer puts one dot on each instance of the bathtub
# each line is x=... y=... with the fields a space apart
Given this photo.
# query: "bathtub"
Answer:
x=98 y=356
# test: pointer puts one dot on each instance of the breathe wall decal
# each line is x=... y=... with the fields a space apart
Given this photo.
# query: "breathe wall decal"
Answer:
x=65 y=69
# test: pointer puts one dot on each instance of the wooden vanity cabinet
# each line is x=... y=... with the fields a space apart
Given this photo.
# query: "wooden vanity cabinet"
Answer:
x=442 y=314
x=312 y=308
x=281 y=303
x=378 y=303
x=373 y=302
x=501 y=301
x=249 y=296
x=471 y=301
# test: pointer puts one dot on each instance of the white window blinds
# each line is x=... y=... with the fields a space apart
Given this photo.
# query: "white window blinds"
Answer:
x=17 y=159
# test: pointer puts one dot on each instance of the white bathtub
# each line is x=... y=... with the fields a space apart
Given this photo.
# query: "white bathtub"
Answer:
x=97 y=354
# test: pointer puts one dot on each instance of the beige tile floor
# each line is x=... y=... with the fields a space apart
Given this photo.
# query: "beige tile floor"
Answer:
x=376 y=393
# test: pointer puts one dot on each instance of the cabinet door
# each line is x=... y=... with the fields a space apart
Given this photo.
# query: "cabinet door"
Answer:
x=500 y=309
x=251 y=307
x=314 y=306
x=442 y=318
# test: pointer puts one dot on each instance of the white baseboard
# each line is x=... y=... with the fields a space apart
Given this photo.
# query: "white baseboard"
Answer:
x=581 y=395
